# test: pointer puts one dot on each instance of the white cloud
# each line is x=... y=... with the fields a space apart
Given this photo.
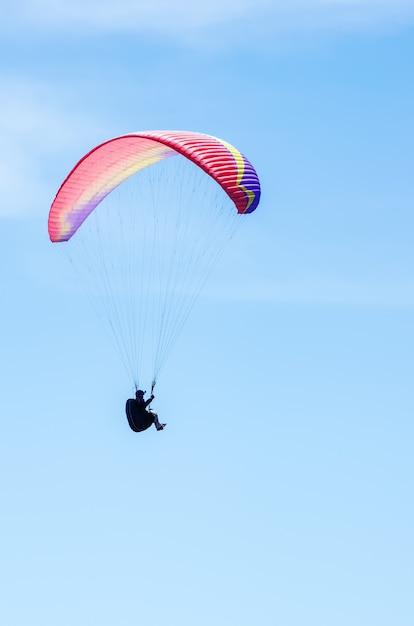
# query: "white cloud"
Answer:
x=183 y=17
x=34 y=134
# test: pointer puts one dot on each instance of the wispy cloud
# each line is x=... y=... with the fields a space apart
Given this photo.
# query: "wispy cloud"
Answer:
x=318 y=290
x=185 y=16
x=34 y=134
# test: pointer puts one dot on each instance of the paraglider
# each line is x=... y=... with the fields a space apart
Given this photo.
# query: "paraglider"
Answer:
x=139 y=416
x=144 y=230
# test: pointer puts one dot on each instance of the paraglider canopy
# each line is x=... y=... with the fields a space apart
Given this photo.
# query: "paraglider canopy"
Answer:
x=144 y=230
x=109 y=164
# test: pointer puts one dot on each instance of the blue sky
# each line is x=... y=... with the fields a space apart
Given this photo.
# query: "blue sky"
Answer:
x=280 y=492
